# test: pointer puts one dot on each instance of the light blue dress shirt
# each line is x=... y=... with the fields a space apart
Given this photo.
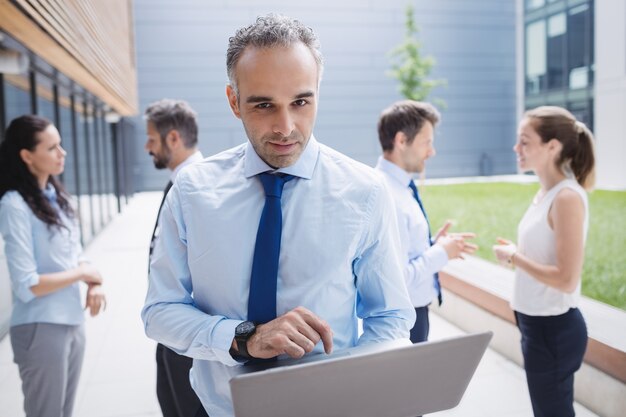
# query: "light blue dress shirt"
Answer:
x=420 y=259
x=191 y=159
x=338 y=258
x=33 y=249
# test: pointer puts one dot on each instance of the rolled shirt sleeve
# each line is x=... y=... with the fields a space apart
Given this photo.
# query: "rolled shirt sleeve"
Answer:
x=426 y=264
x=16 y=229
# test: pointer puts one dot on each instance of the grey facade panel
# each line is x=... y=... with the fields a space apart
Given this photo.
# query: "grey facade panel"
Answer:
x=181 y=48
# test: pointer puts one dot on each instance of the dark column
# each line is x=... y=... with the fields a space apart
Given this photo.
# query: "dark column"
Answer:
x=116 y=166
x=33 y=91
x=76 y=160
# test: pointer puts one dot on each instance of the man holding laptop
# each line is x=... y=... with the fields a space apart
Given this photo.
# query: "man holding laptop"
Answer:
x=280 y=243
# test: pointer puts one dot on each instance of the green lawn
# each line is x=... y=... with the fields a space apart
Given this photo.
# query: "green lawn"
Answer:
x=494 y=209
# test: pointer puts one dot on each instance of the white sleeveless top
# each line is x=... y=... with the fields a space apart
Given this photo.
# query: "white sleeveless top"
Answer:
x=536 y=241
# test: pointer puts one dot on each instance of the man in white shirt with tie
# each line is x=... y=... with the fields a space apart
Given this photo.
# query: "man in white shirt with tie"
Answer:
x=172 y=131
x=406 y=134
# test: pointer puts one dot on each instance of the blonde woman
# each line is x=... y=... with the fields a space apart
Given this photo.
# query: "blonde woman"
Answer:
x=548 y=257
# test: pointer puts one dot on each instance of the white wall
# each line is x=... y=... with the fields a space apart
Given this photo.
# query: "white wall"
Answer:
x=610 y=96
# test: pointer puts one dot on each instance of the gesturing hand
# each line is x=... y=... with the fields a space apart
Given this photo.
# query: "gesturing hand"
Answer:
x=294 y=333
x=504 y=251
x=455 y=244
x=443 y=231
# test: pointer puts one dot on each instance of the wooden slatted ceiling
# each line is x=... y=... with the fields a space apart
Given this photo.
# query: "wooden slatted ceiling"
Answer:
x=91 y=41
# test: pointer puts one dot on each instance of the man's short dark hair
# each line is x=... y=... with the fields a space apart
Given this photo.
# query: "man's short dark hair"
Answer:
x=406 y=116
x=167 y=115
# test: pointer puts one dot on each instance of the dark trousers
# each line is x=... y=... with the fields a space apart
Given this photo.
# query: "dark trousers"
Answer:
x=553 y=349
x=176 y=397
x=419 y=332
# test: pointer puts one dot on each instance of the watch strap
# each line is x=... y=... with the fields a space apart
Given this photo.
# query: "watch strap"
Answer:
x=242 y=347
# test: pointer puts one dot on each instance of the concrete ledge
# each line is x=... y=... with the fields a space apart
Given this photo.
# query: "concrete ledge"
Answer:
x=477 y=296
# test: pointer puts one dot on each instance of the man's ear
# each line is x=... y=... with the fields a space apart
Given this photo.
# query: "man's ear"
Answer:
x=173 y=139
x=399 y=140
x=233 y=100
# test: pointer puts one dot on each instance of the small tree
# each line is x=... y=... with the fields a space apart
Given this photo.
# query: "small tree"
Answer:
x=411 y=68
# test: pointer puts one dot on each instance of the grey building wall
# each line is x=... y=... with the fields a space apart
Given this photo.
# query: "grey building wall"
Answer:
x=181 y=47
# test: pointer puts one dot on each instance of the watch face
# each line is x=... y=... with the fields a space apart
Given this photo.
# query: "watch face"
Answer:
x=245 y=328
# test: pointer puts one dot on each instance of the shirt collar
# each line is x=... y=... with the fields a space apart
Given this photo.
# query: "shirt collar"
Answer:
x=50 y=193
x=394 y=171
x=303 y=168
x=194 y=157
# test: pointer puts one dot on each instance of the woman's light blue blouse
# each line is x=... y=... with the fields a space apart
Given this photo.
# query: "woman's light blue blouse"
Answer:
x=33 y=249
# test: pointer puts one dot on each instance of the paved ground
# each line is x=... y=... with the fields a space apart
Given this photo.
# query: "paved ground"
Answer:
x=118 y=376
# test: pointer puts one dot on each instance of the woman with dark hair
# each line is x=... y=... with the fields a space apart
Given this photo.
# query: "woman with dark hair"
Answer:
x=44 y=257
x=549 y=255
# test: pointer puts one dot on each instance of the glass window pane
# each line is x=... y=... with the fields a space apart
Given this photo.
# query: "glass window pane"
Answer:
x=16 y=97
x=83 y=172
x=92 y=146
x=583 y=111
x=578 y=78
x=580 y=48
x=45 y=105
x=557 y=25
x=534 y=4
x=65 y=129
x=556 y=50
x=535 y=56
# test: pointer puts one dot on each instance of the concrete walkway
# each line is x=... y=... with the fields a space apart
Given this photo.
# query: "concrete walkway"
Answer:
x=119 y=374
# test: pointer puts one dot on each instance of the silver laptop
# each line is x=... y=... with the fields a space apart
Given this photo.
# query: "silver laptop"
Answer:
x=378 y=380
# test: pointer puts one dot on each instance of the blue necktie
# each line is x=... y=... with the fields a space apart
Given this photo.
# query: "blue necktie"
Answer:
x=416 y=195
x=262 y=297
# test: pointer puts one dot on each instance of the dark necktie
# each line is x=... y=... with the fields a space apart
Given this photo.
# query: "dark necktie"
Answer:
x=262 y=297
x=156 y=224
x=416 y=195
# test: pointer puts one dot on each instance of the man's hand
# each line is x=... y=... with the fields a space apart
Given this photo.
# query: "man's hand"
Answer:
x=96 y=301
x=443 y=231
x=294 y=333
x=455 y=244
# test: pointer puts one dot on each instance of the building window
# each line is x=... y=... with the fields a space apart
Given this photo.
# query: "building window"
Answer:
x=555 y=50
x=559 y=67
x=583 y=111
x=45 y=105
x=16 y=97
x=536 y=57
x=580 y=47
x=65 y=129
x=534 y=4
